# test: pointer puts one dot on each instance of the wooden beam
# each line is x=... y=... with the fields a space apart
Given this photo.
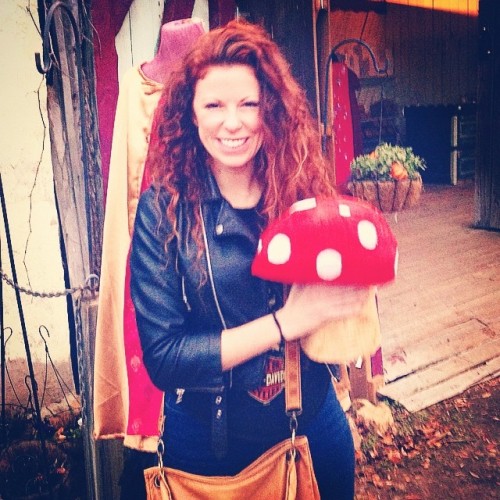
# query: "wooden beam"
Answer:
x=487 y=201
x=73 y=130
x=447 y=378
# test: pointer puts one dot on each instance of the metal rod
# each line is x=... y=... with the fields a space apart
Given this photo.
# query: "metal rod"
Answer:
x=34 y=386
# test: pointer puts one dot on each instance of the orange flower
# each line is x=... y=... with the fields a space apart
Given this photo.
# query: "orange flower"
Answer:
x=398 y=171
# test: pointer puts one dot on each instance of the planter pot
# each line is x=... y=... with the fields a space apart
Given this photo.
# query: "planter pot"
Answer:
x=388 y=196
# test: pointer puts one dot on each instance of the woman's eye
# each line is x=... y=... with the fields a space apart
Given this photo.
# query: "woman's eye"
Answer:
x=251 y=104
x=212 y=105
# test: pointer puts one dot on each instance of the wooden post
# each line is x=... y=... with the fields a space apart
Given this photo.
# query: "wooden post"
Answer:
x=365 y=377
x=487 y=200
x=76 y=165
x=103 y=459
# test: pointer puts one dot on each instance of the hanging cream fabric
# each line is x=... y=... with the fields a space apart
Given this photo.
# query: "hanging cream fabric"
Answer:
x=137 y=102
x=126 y=403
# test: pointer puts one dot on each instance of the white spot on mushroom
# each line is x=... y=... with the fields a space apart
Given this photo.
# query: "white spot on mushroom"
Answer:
x=279 y=249
x=302 y=205
x=329 y=264
x=259 y=246
x=396 y=262
x=344 y=210
x=367 y=234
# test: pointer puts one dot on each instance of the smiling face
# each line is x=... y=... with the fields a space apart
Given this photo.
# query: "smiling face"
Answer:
x=226 y=110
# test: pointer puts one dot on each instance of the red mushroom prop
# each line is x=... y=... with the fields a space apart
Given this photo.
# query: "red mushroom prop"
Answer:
x=342 y=241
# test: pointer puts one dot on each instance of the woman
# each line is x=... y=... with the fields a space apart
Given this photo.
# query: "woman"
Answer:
x=237 y=147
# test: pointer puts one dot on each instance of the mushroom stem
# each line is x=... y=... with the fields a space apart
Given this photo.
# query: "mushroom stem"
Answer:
x=344 y=340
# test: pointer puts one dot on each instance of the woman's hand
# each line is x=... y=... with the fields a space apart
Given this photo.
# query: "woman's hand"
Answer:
x=310 y=306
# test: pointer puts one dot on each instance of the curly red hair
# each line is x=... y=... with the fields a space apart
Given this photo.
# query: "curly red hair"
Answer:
x=289 y=162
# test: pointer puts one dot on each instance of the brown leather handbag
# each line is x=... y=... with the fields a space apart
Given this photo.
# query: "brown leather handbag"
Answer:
x=283 y=472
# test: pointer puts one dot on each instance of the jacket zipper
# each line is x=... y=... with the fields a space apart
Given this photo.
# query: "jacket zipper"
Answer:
x=212 y=283
x=180 y=391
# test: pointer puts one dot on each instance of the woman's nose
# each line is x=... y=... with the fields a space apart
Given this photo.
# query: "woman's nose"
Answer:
x=232 y=119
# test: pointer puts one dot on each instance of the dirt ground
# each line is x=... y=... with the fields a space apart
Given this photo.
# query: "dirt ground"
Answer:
x=448 y=451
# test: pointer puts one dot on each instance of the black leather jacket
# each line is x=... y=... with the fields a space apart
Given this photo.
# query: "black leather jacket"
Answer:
x=178 y=319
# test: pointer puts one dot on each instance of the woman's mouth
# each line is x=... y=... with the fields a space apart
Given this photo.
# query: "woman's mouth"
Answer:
x=232 y=143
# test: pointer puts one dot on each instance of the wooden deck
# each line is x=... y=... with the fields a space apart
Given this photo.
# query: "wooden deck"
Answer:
x=441 y=317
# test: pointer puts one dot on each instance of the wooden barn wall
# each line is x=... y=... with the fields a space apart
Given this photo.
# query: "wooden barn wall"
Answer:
x=432 y=53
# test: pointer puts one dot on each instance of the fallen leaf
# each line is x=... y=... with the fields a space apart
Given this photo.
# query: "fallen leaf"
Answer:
x=486 y=395
x=473 y=474
x=394 y=456
x=492 y=453
x=397 y=356
x=377 y=481
x=388 y=440
x=359 y=456
x=409 y=443
x=461 y=403
x=462 y=454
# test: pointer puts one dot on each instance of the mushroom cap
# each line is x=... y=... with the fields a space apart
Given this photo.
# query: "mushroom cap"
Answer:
x=342 y=240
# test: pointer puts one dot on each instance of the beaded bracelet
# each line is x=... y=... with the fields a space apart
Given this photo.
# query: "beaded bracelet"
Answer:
x=282 y=337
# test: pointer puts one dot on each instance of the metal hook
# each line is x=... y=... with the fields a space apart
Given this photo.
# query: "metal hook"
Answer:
x=44 y=63
x=43 y=338
x=380 y=71
x=31 y=385
x=92 y=283
x=8 y=338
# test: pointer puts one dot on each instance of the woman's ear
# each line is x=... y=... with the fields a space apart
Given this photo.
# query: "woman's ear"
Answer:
x=193 y=118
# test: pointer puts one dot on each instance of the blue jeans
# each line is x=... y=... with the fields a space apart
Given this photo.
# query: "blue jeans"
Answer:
x=188 y=447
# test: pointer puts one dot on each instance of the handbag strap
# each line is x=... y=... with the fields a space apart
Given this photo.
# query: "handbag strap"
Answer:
x=293 y=389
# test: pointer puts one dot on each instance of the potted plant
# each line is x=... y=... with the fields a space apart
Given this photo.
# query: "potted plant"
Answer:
x=28 y=471
x=23 y=475
x=388 y=177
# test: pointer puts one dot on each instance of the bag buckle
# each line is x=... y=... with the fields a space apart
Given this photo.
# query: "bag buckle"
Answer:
x=294 y=424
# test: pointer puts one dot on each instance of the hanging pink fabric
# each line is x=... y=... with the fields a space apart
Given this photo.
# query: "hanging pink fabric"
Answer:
x=145 y=400
x=346 y=122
